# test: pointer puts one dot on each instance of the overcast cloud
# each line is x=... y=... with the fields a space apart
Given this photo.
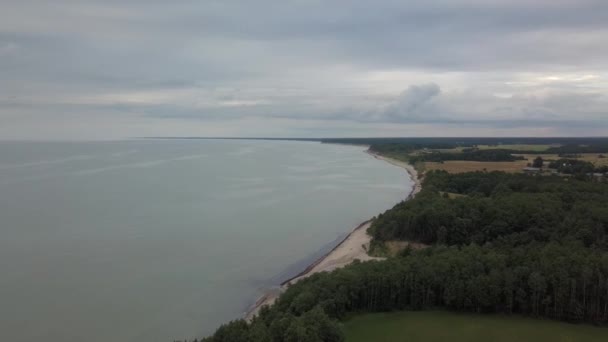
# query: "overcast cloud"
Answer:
x=115 y=69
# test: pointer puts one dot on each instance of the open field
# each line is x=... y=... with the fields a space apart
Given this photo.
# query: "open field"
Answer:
x=451 y=195
x=450 y=150
x=595 y=159
x=432 y=326
x=397 y=156
x=393 y=248
x=459 y=166
x=518 y=147
x=531 y=157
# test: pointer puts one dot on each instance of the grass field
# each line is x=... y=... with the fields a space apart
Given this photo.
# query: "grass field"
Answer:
x=458 y=166
x=518 y=147
x=397 y=156
x=451 y=195
x=595 y=158
x=450 y=150
x=431 y=326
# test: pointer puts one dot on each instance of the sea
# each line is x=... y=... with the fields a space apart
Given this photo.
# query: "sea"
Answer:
x=163 y=240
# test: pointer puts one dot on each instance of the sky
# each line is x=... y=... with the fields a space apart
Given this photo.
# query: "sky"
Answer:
x=113 y=69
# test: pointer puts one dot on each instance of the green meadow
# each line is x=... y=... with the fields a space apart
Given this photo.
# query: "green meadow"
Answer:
x=430 y=326
x=517 y=147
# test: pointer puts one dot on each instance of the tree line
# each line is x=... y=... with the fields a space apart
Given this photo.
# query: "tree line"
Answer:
x=576 y=166
x=493 y=155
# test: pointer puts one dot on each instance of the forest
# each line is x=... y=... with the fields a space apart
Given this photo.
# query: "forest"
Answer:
x=510 y=243
x=597 y=147
x=575 y=166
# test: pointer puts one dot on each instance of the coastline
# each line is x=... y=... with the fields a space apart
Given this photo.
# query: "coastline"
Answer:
x=353 y=247
x=409 y=168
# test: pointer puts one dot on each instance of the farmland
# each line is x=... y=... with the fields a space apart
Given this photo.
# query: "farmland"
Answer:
x=459 y=166
x=516 y=147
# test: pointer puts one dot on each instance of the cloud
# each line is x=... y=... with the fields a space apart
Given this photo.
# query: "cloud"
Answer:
x=461 y=62
x=415 y=103
x=546 y=107
x=8 y=48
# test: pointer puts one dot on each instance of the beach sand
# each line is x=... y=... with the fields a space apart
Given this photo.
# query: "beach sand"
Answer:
x=409 y=168
x=353 y=247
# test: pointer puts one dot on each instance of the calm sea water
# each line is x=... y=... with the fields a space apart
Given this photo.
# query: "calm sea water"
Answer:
x=163 y=240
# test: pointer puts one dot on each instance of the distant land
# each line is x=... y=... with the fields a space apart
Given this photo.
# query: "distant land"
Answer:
x=463 y=140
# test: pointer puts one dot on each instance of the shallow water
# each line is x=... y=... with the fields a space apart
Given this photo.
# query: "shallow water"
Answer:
x=163 y=240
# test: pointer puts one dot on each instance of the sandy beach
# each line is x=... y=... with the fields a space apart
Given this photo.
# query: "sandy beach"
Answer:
x=409 y=168
x=354 y=247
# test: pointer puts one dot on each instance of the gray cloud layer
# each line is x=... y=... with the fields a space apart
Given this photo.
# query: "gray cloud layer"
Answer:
x=97 y=69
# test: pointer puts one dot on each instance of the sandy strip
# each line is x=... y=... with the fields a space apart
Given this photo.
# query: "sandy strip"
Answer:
x=353 y=247
x=409 y=168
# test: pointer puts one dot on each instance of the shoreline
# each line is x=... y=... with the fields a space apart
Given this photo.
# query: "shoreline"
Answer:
x=353 y=247
x=409 y=168
x=317 y=262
